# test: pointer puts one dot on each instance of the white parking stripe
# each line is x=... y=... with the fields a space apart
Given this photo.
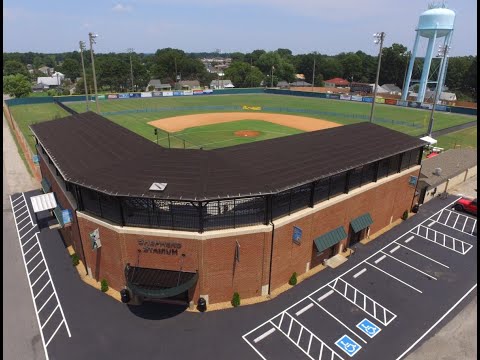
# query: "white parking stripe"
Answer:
x=33 y=227
x=425 y=256
x=300 y=312
x=14 y=200
x=41 y=261
x=410 y=239
x=433 y=222
x=360 y=273
x=403 y=282
x=28 y=240
x=45 y=303
x=413 y=267
x=24 y=199
x=45 y=323
x=325 y=295
x=30 y=249
x=20 y=208
x=455 y=223
x=394 y=249
x=44 y=271
x=465 y=224
x=24 y=226
x=51 y=337
x=33 y=257
x=448 y=217
x=380 y=259
x=44 y=286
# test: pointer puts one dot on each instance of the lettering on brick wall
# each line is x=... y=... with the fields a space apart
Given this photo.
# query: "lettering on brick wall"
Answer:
x=159 y=247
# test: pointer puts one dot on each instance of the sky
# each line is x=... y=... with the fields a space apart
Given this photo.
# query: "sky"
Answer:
x=303 y=26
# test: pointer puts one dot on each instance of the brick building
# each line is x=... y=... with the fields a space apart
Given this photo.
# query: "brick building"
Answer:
x=183 y=224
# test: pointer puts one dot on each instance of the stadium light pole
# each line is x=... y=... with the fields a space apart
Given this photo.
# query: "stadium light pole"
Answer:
x=442 y=53
x=313 y=75
x=379 y=37
x=82 y=48
x=273 y=68
x=130 y=50
x=92 y=37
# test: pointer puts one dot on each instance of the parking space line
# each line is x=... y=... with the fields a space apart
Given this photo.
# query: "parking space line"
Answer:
x=41 y=261
x=394 y=249
x=51 y=337
x=28 y=240
x=463 y=228
x=44 y=286
x=394 y=277
x=48 y=319
x=44 y=271
x=299 y=335
x=425 y=256
x=380 y=259
x=45 y=303
x=264 y=335
x=33 y=227
x=24 y=227
x=433 y=222
x=300 y=312
x=30 y=249
x=438 y=321
x=341 y=323
x=454 y=240
x=453 y=227
x=25 y=218
x=29 y=214
x=448 y=217
x=33 y=257
x=410 y=239
x=455 y=223
x=14 y=212
x=309 y=343
x=325 y=295
x=13 y=200
x=413 y=267
x=360 y=273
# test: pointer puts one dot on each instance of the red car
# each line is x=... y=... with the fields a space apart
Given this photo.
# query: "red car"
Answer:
x=467 y=205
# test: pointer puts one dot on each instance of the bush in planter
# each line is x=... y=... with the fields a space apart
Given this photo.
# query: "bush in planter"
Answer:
x=405 y=215
x=236 y=299
x=75 y=259
x=104 y=285
x=293 y=279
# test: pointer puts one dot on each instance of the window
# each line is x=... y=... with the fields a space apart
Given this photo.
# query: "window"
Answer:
x=355 y=178
x=394 y=162
x=338 y=183
x=405 y=160
x=321 y=190
x=382 y=168
x=368 y=174
x=300 y=197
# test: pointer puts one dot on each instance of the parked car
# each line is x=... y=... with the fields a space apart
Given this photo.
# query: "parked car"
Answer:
x=467 y=204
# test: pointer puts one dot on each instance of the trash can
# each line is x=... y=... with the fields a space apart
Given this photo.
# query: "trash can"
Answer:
x=202 y=305
x=125 y=296
x=415 y=208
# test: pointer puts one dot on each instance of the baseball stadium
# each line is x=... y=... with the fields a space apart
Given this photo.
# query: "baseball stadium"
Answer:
x=182 y=198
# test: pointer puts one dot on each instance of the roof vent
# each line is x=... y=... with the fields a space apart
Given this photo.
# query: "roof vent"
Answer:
x=438 y=171
x=158 y=186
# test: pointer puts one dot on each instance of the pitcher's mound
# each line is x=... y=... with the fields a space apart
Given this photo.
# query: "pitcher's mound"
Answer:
x=247 y=133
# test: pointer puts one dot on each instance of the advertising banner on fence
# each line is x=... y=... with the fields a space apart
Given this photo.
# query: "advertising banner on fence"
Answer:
x=356 y=98
x=414 y=104
x=146 y=94
x=208 y=91
x=123 y=96
x=391 y=101
x=112 y=96
x=188 y=92
x=177 y=93
x=345 y=97
x=402 y=103
x=101 y=97
x=135 y=95
x=197 y=92
x=333 y=96
x=167 y=93
x=426 y=106
x=380 y=100
x=157 y=93
x=367 y=99
x=254 y=108
x=441 y=108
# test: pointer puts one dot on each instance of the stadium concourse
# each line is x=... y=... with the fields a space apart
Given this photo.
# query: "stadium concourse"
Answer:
x=189 y=224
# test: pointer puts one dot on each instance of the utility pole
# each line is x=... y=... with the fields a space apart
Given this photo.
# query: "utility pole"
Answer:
x=92 y=37
x=176 y=76
x=379 y=37
x=130 y=50
x=82 y=47
x=273 y=68
x=443 y=53
x=313 y=76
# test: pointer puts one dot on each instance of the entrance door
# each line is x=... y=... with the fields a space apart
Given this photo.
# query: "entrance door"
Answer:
x=319 y=257
x=357 y=237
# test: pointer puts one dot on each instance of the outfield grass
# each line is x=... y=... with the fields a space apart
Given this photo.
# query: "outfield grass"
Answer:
x=462 y=138
x=26 y=115
x=341 y=108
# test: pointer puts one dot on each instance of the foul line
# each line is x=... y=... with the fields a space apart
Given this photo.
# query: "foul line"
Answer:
x=439 y=320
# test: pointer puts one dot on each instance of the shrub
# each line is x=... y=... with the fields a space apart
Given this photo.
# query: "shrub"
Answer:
x=104 y=285
x=236 y=299
x=293 y=279
x=405 y=215
x=75 y=259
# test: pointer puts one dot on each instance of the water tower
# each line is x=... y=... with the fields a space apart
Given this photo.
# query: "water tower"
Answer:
x=435 y=23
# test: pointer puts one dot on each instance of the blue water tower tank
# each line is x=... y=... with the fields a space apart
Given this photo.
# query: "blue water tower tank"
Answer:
x=440 y=20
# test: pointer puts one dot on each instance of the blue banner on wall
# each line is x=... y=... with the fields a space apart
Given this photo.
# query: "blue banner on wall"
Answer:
x=135 y=95
x=177 y=93
x=441 y=108
x=123 y=96
x=414 y=104
x=367 y=99
x=157 y=93
x=356 y=98
x=333 y=96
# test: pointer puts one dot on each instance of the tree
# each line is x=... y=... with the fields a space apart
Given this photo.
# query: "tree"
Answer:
x=282 y=69
x=71 y=69
x=13 y=67
x=16 y=85
x=244 y=75
x=393 y=65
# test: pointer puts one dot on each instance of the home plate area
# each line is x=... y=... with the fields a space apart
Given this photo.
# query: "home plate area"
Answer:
x=362 y=312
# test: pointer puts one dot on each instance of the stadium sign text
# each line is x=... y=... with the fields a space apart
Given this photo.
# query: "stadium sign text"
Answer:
x=159 y=247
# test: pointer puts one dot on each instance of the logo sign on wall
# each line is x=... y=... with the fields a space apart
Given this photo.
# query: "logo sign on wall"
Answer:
x=412 y=180
x=168 y=93
x=413 y=104
x=101 y=97
x=157 y=93
x=197 y=92
x=391 y=101
x=345 y=97
x=297 y=235
x=134 y=95
x=95 y=239
x=188 y=92
x=112 y=96
x=123 y=96
x=367 y=99
x=146 y=94
x=177 y=93
x=208 y=91
x=333 y=96
x=379 y=100
x=356 y=98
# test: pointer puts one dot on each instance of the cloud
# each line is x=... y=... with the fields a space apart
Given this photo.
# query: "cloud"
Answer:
x=122 y=8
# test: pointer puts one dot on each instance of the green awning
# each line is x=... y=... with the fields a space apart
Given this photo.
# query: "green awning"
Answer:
x=329 y=239
x=46 y=186
x=361 y=222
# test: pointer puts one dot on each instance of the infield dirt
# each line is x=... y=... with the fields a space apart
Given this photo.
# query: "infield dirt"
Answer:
x=179 y=123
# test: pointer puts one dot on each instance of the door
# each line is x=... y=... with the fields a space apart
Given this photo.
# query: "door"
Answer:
x=319 y=257
x=355 y=238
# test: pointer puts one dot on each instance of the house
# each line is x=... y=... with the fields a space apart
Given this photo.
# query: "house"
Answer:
x=336 y=82
x=157 y=85
x=50 y=81
x=299 y=77
x=46 y=70
x=188 y=84
x=444 y=96
x=445 y=171
x=221 y=84
x=392 y=89
x=59 y=75
x=39 y=88
x=300 y=84
x=283 y=84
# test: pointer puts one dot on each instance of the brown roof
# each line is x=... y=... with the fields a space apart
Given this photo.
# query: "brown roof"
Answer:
x=94 y=152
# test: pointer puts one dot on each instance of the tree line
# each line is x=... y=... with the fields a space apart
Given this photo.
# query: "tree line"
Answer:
x=258 y=68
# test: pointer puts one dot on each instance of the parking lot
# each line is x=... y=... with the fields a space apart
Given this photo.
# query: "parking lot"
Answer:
x=395 y=296
x=47 y=307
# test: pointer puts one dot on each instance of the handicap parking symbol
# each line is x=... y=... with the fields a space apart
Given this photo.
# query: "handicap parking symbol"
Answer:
x=348 y=345
x=368 y=327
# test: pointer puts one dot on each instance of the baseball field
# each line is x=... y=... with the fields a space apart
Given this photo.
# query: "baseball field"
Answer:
x=212 y=121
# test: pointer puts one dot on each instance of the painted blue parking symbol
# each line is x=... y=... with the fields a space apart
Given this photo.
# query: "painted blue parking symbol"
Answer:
x=348 y=345
x=368 y=327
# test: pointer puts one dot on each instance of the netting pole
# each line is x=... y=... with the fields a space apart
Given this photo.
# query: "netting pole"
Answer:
x=168 y=135
x=184 y=143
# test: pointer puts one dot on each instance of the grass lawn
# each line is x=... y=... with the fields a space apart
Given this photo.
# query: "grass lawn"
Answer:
x=386 y=115
x=464 y=138
x=26 y=115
